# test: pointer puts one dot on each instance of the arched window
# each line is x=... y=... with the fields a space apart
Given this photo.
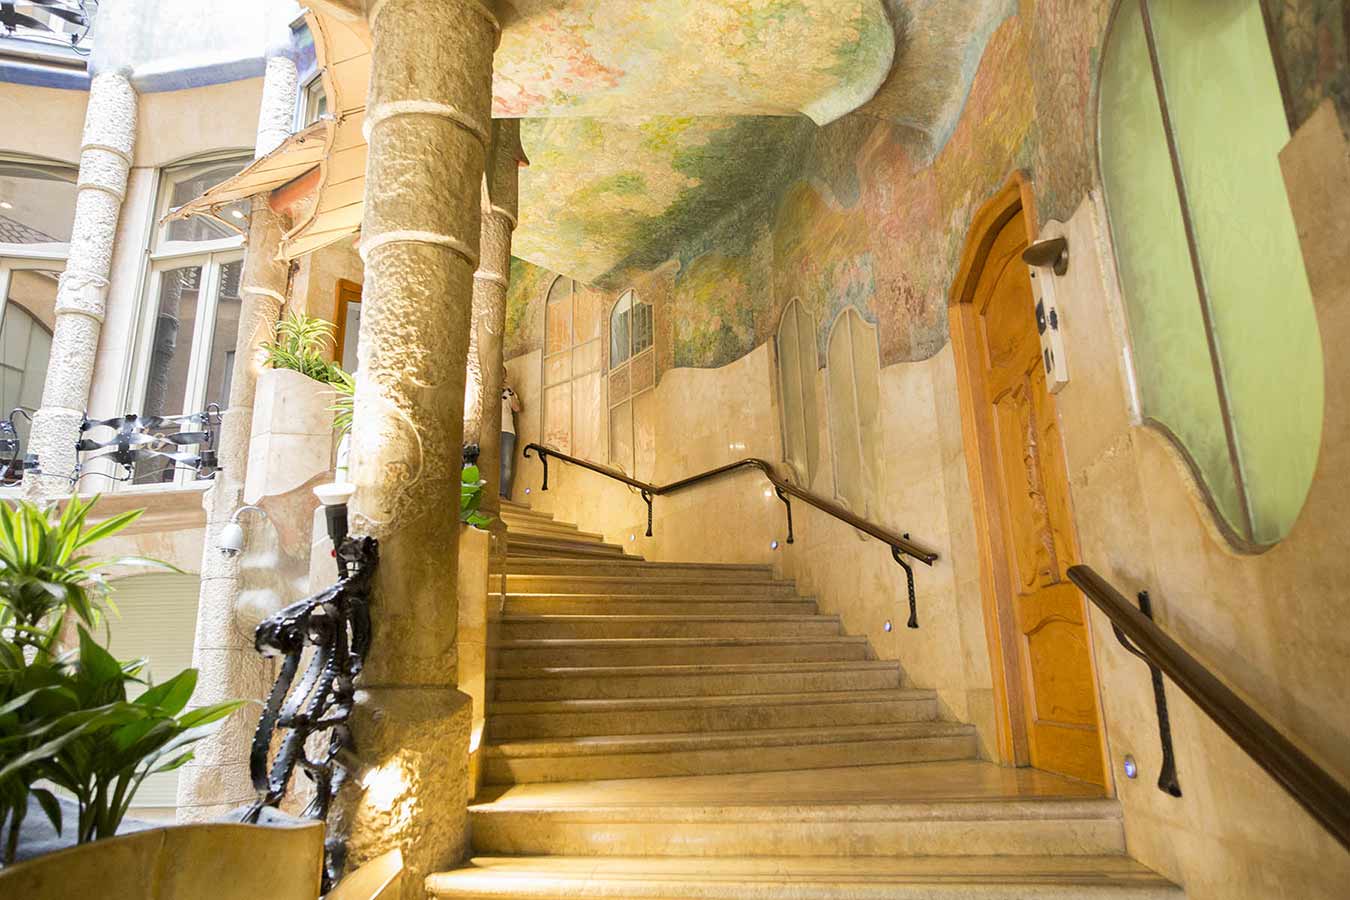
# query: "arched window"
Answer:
x=796 y=345
x=1225 y=342
x=632 y=375
x=853 y=378
x=571 y=408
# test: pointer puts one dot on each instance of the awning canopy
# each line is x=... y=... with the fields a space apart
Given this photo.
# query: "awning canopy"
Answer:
x=334 y=146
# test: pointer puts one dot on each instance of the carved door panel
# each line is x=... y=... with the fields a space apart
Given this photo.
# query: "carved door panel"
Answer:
x=1059 y=693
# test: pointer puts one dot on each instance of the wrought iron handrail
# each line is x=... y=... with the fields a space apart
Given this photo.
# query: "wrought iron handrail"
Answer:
x=900 y=544
x=1311 y=786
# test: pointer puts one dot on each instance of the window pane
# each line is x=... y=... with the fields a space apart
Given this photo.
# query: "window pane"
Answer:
x=844 y=446
x=642 y=327
x=790 y=386
x=1230 y=125
x=618 y=338
x=225 y=335
x=351 y=334
x=186 y=185
x=170 y=355
x=867 y=375
x=37 y=203
x=25 y=342
x=1171 y=352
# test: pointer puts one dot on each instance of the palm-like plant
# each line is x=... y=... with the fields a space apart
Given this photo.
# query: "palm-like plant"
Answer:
x=65 y=717
x=300 y=344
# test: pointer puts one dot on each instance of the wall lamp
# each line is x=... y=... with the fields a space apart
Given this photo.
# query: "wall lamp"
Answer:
x=231 y=540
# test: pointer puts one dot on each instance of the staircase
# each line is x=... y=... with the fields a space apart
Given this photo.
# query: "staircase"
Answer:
x=674 y=730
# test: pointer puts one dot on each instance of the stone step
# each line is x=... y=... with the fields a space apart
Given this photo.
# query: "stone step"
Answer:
x=636 y=567
x=511 y=508
x=779 y=878
x=766 y=750
x=593 y=682
x=526 y=720
x=676 y=651
x=563 y=627
x=653 y=585
x=549 y=549
x=638 y=605
x=549 y=528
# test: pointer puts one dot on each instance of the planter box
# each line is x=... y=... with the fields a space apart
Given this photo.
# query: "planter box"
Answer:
x=292 y=438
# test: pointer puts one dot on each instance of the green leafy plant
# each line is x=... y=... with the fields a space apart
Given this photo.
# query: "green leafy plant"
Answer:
x=300 y=344
x=344 y=389
x=471 y=497
x=65 y=714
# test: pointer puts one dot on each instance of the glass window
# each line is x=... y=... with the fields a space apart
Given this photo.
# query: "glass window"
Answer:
x=632 y=375
x=27 y=317
x=1224 y=336
x=190 y=321
x=572 y=361
x=37 y=205
x=313 y=102
x=796 y=345
x=853 y=378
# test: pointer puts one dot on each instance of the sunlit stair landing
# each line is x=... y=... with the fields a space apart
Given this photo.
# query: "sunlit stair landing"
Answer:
x=701 y=731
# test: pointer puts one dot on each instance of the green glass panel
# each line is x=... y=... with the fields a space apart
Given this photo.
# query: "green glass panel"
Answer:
x=1229 y=121
x=1171 y=352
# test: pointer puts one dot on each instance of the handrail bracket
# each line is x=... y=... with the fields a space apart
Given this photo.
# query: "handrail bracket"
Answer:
x=899 y=557
x=1167 y=777
x=788 y=504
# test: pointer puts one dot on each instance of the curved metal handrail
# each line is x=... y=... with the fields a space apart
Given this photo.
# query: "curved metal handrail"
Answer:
x=1311 y=786
x=900 y=544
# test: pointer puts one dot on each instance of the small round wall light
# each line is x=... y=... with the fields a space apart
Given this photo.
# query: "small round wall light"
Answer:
x=527 y=490
x=1131 y=767
x=773 y=545
x=632 y=537
x=888 y=626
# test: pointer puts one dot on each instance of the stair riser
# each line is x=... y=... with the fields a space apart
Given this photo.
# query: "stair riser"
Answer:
x=623 y=687
x=647 y=655
x=503 y=770
x=632 y=567
x=509 y=727
x=600 y=552
x=549 y=584
x=566 y=606
x=551 y=833
x=517 y=529
x=616 y=628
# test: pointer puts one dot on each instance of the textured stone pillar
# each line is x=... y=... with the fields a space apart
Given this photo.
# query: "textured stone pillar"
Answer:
x=217 y=779
x=427 y=121
x=81 y=297
x=482 y=415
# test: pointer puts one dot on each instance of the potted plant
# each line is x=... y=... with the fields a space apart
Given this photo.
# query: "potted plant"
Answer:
x=66 y=714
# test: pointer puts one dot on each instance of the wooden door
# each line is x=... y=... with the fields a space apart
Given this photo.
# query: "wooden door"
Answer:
x=1032 y=522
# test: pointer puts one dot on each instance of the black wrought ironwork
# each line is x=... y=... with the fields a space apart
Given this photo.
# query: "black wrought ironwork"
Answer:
x=901 y=545
x=13 y=461
x=137 y=440
x=1167 y=776
x=333 y=629
x=79 y=13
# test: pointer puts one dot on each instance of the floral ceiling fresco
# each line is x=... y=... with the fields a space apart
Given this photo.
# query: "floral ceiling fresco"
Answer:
x=602 y=59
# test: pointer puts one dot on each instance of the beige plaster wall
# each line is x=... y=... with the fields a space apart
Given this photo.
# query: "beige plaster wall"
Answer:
x=174 y=125
x=53 y=121
x=314 y=284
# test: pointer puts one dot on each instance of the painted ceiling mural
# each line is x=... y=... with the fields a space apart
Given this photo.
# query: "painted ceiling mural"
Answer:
x=726 y=219
x=607 y=58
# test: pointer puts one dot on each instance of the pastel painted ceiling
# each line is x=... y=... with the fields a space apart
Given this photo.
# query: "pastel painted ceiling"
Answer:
x=606 y=190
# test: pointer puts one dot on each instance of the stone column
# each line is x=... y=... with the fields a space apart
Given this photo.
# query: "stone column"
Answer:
x=501 y=192
x=427 y=123
x=217 y=780
x=81 y=297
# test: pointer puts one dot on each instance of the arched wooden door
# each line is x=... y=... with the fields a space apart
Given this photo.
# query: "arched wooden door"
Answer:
x=1036 y=618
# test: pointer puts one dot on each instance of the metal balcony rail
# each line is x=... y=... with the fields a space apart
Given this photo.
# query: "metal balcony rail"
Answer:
x=900 y=544
x=1311 y=786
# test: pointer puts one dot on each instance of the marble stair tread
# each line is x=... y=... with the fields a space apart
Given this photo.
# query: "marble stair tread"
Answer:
x=637 y=604
x=659 y=585
x=621 y=682
x=599 y=643
x=551 y=529
x=765 y=572
x=949 y=782
x=805 y=878
x=518 y=627
x=638 y=704
x=701 y=740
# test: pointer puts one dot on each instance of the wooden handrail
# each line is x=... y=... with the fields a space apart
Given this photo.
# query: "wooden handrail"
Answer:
x=897 y=541
x=1311 y=786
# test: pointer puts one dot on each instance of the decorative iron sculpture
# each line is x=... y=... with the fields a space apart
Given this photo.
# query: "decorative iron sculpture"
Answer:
x=13 y=463
x=333 y=627
x=138 y=440
x=79 y=13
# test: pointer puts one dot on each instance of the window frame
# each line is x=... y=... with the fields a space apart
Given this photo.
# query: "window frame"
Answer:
x=163 y=255
x=307 y=99
x=830 y=412
x=809 y=368
x=628 y=363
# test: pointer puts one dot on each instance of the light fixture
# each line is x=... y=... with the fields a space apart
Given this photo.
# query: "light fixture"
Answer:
x=5 y=204
x=887 y=627
x=334 y=497
x=231 y=540
x=237 y=213
x=1131 y=767
x=773 y=545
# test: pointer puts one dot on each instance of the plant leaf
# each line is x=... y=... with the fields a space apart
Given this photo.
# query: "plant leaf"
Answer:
x=50 y=805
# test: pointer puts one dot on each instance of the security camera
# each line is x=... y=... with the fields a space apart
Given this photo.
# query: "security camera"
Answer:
x=231 y=540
